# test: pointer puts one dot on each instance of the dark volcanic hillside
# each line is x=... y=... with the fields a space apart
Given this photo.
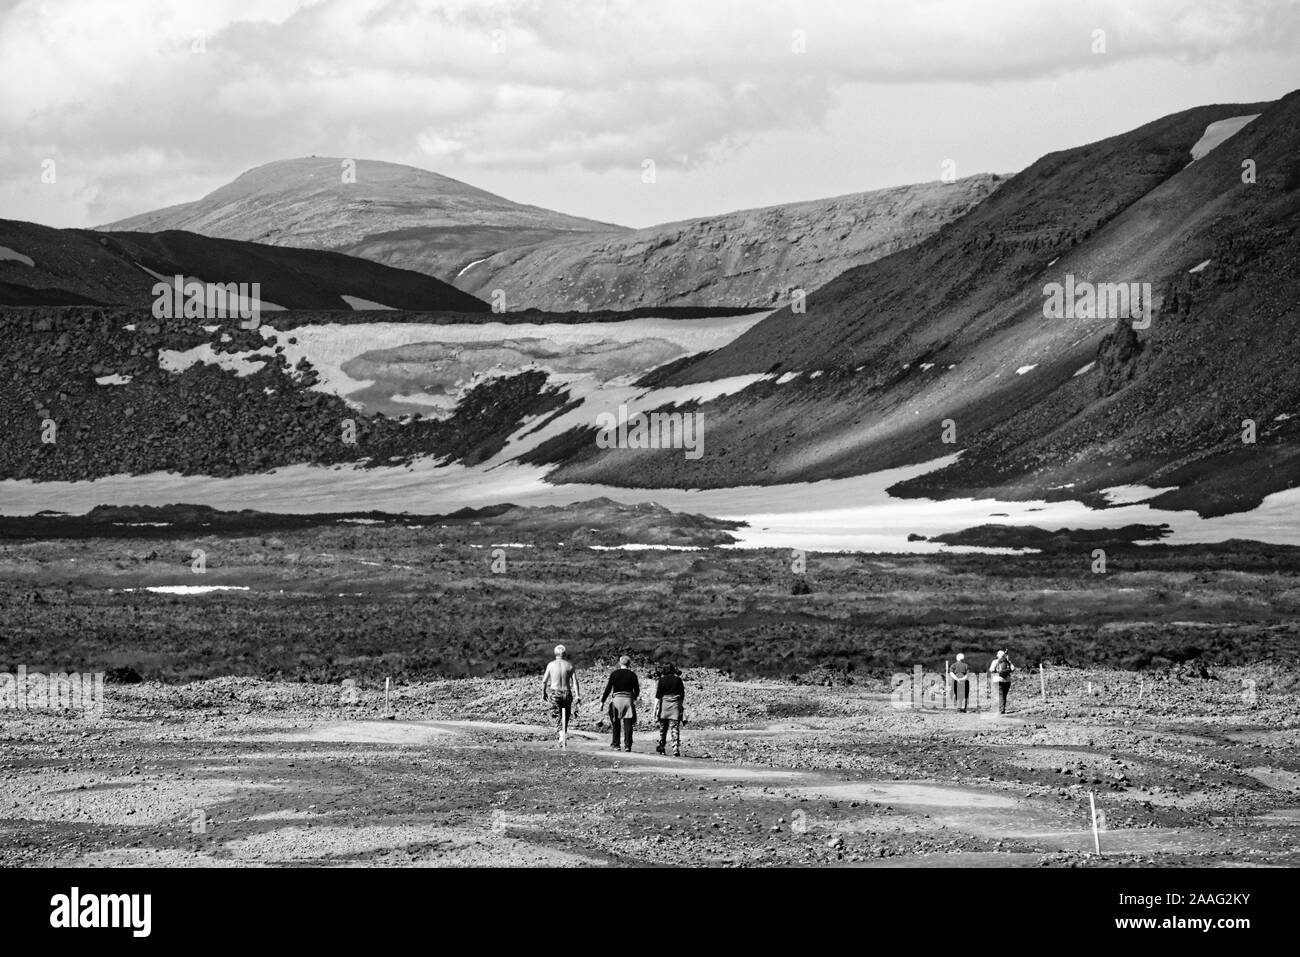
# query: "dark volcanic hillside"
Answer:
x=79 y=266
x=953 y=329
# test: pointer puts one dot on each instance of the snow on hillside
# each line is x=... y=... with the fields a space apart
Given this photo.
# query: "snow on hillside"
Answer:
x=1217 y=132
x=854 y=514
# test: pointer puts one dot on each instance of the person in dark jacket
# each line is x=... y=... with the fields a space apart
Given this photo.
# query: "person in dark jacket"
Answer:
x=670 y=708
x=622 y=690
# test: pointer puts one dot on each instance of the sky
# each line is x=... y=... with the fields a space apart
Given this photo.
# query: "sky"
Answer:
x=109 y=108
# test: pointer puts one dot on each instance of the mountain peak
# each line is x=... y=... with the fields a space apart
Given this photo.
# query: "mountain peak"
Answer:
x=331 y=202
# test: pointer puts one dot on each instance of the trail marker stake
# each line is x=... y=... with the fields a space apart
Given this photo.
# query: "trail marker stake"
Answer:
x=388 y=710
x=1042 y=681
x=1096 y=839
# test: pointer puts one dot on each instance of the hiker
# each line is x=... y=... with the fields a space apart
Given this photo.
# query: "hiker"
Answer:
x=1001 y=668
x=560 y=683
x=670 y=708
x=622 y=690
x=960 y=674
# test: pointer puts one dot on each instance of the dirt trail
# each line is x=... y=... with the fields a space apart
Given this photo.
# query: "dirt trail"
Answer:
x=242 y=772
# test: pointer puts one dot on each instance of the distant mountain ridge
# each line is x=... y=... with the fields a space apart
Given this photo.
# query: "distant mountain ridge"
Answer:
x=418 y=220
x=753 y=257
x=308 y=203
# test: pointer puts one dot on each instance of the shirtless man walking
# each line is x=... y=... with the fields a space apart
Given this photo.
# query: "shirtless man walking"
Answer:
x=560 y=685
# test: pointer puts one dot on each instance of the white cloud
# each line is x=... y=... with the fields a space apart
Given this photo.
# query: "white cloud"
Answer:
x=115 y=93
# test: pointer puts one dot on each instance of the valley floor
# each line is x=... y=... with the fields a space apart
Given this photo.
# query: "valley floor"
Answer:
x=247 y=772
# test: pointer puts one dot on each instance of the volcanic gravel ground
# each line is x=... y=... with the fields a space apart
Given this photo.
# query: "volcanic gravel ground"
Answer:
x=245 y=772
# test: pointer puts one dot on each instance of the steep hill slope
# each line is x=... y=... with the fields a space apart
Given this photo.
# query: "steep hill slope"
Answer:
x=953 y=331
x=398 y=215
x=77 y=266
x=754 y=257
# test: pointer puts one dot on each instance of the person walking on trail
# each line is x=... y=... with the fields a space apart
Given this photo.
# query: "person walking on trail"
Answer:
x=560 y=685
x=622 y=691
x=670 y=708
x=960 y=674
x=1000 y=668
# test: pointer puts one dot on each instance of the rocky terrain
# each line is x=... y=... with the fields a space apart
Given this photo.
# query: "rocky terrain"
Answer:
x=238 y=772
x=598 y=522
x=754 y=257
x=87 y=396
x=415 y=597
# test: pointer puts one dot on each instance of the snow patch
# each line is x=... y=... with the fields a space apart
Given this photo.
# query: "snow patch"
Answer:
x=643 y=547
x=241 y=363
x=13 y=255
x=356 y=302
x=1084 y=370
x=1023 y=369
x=187 y=589
x=1132 y=494
x=471 y=266
x=115 y=379
x=1219 y=131
x=1200 y=267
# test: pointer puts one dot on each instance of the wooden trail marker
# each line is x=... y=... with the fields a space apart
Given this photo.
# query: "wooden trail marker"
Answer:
x=1096 y=839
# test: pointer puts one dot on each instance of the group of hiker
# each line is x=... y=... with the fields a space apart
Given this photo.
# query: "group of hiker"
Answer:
x=622 y=691
x=1000 y=669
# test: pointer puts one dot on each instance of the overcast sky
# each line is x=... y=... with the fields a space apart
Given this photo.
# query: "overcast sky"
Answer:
x=739 y=103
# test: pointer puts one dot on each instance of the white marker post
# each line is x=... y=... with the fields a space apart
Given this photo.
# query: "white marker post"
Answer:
x=947 y=681
x=388 y=710
x=1142 y=687
x=1096 y=839
x=1042 y=681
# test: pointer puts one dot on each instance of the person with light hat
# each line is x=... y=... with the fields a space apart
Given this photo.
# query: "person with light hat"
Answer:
x=960 y=675
x=560 y=685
